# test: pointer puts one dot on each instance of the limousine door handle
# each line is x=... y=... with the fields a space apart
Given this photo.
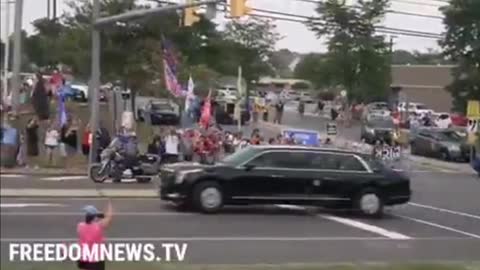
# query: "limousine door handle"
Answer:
x=277 y=176
x=330 y=178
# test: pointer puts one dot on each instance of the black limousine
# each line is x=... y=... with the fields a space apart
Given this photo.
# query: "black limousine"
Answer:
x=281 y=174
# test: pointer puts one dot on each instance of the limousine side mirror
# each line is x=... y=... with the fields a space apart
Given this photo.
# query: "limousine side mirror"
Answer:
x=248 y=167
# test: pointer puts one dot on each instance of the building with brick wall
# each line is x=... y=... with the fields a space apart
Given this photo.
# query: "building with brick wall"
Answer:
x=425 y=84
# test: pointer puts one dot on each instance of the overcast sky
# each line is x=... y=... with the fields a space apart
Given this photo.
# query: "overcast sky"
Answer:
x=296 y=36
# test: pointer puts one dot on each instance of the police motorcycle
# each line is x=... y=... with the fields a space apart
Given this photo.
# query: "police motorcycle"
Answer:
x=117 y=165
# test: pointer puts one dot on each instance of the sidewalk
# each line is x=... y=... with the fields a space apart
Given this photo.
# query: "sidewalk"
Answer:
x=439 y=164
x=44 y=171
x=79 y=193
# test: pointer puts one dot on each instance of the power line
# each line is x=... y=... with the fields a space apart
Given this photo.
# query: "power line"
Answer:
x=417 y=3
x=383 y=28
x=387 y=11
x=305 y=19
x=379 y=30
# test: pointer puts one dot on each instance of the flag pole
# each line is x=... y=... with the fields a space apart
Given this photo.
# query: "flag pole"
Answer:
x=241 y=94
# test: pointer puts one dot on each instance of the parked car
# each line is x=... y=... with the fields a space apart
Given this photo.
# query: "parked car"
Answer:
x=459 y=120
x=446 y=144
x=442 y=120
x=225 y=113
x=293 y=95
x=280 y=174
x=306 y=97
x=226 y=96
x=80 y=91
x=160 y=112
x=376 y=109
x=377 y=128
x=418 y=108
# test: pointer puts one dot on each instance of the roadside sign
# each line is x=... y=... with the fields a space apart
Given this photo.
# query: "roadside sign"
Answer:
x=473 y=109
x=331 y=129
x=305 y=137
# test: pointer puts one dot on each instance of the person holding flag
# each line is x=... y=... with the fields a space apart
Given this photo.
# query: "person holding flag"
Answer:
x=189 y=98
x=206 y=111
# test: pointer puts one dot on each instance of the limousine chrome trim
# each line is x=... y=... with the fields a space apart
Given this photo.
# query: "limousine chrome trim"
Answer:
x=367 y=167
x=305 y=198
x=399 y=197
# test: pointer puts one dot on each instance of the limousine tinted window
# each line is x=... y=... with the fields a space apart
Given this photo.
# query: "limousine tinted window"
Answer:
x=283 y=159
x=332 y=161
x=240 y=156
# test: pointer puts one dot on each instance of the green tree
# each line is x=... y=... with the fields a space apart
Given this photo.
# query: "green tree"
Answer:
x=250 y=44
x=282 y=60
x=132 y=51
x=316 y=68
x=461 y=44
x=358 y=56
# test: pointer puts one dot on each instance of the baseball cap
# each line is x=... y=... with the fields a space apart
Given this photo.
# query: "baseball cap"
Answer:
x=91 y=210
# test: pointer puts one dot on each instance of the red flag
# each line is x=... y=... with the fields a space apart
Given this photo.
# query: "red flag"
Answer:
x=206 y=111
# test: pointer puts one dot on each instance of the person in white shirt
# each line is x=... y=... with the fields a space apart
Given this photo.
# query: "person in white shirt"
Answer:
x=51 y=142
x=172 y=145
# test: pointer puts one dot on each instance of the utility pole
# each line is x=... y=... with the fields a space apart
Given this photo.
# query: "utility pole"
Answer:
x=94 y=82
x=97 y=24
x=54 y=9
x=48 y=9
x=17 y=54
x=6 y=54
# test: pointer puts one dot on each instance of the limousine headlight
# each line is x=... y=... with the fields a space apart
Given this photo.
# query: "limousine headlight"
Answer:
x=181 y=175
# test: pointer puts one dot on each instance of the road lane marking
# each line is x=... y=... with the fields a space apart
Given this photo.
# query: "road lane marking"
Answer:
x=438 y=226
x=13 y=175
x=368 y=227
x=81 y=213
x=64 y=178
x=225 y=239
x=444 y=210
x=205 y=238
x=77 y=199
x=24 y=205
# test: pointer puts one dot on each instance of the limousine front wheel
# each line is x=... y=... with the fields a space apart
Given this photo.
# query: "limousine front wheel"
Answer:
x=208 y=197
x=370 y=203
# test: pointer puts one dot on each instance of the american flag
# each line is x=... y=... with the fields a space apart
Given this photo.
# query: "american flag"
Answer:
x=170 y=64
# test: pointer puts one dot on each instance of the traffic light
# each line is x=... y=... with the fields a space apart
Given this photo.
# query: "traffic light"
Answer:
x=190 y=15
x=239 y=8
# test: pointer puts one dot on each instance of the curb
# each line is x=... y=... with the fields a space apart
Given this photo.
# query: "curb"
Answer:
x=78 y=193
x=440 y=166
x=53 y=173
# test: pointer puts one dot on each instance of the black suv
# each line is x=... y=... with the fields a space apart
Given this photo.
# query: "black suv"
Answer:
x=282 y=174
x=377 y=128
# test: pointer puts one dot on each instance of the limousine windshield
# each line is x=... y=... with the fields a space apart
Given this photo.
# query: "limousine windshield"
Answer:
x=240 y=157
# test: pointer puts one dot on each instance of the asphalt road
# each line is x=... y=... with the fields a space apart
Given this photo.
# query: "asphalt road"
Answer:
x=441 y=223
x=311 y=121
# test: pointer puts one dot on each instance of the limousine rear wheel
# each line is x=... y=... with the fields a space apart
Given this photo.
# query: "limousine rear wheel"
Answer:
x=370 y=203
x=208 y=197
